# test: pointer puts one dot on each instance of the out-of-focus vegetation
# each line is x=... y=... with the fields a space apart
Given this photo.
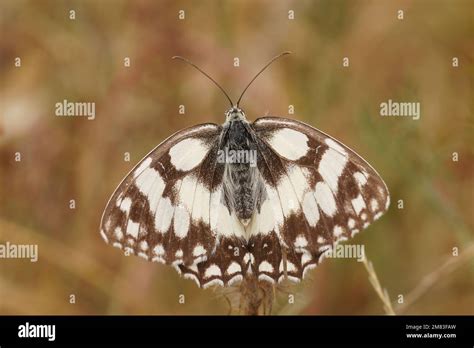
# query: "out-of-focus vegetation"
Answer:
x=137 y=107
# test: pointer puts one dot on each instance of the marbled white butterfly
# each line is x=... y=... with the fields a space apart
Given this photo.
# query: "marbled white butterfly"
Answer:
x=219 y=221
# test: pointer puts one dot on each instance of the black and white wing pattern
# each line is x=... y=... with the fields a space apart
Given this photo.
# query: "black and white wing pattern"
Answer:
x=319 y=193
x=168 y=209
x=218 y=223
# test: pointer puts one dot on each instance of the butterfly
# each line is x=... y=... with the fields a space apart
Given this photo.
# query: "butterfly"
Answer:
x=263 y=200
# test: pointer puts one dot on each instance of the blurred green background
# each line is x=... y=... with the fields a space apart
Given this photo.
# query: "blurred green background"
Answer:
x=137 y=107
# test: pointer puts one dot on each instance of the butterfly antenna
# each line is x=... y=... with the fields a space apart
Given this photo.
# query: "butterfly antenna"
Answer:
x=261 y=71
x=210 y=78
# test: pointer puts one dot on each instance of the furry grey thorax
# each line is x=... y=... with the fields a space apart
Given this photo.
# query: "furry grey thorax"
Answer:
x=242 y=183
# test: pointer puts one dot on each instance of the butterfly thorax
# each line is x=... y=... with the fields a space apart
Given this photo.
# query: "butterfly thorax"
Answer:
x=243 y=188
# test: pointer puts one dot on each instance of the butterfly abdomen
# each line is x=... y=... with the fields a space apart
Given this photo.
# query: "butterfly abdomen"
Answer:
x=241 y=179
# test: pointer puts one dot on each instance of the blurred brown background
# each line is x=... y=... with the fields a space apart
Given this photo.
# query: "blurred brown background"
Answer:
x=66 y=158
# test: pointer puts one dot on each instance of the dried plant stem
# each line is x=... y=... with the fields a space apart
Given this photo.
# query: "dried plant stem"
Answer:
x=256 y=298
x=381 y=292
x=428 y=281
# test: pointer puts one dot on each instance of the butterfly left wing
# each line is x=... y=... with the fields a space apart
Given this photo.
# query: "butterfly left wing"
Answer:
x=160 y=211
x=319 y=193
x=169 y=209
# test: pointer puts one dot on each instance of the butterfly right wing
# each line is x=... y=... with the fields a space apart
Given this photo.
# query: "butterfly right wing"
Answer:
x=319 y=191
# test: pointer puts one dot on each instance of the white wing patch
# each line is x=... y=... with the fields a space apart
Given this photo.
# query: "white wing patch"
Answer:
x=145 y=164
x=277 y=209
x=146 y=179
x=151 y=184
x=289 y=143
x=331 y=166
x=118 y=234
x=199 y=254
x=298 y=181
x=310 y=209
x=163 y=215
x=222 y=223
x=181 y=221
x=301 y=242
x=288 y=198
x=233 y=268
x=360 y=178
x=263 y=222
x=332 y=144
x=155 y=192
x=125 y=205
x=202 y=197
x=186 y=188
x=188 y=153
x=325 y=198
x=265 y=266
x=132 y=228
x=159 y=250
x=358 y=204
x=212 y=270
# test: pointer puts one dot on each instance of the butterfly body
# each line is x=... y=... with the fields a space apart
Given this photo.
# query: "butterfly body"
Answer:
x=243 y=186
